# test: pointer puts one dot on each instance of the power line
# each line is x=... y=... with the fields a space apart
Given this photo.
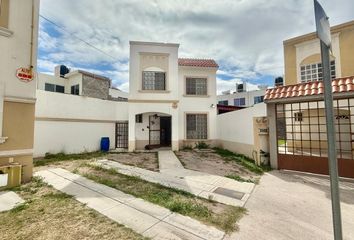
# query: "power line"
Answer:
x=82 y=40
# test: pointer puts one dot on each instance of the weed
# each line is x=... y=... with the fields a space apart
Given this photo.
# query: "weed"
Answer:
x=202 y=145
x=53 y=158
x=243 y=160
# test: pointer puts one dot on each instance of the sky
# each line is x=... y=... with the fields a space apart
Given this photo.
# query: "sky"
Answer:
x=245 y=37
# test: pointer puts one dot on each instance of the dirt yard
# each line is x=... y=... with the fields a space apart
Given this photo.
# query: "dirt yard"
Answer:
x=211 y=162
x=148 y=161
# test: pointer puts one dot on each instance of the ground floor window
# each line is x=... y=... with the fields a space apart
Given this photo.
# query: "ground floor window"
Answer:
x=197 y=126
x=301 y=128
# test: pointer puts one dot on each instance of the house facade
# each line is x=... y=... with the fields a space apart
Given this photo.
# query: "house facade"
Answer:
x=171 y=100
x=18 y=49
x=171 y=104
x=297 y=121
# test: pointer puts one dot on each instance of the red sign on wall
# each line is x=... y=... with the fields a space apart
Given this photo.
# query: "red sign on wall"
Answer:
x=24 y=74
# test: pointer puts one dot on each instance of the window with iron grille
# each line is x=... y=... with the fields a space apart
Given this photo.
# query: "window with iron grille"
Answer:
x=313 y=72
x=239 y=101
x=298 y=116
x=154 y=80
x=196 y=86
x=197 y=126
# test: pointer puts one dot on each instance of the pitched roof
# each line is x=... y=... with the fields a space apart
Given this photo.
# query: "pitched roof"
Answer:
x=194 y=62
x=339 y=85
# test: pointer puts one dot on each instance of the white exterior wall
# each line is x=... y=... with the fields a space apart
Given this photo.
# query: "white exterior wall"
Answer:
x=118 y=93
x=46 y=78
x=73 y=123
x=235 y=129
x=135 y=74
x=15 y=49
x=197 y=104
x=249 y=97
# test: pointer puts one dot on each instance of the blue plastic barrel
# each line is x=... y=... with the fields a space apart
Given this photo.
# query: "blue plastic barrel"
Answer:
x=105 y=144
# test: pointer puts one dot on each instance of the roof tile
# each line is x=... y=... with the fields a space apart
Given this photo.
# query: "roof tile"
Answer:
x=194 y=62
x=339 y=85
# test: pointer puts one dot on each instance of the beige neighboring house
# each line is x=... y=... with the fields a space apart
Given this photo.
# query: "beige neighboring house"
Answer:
x=297 y=122
x=18 y=56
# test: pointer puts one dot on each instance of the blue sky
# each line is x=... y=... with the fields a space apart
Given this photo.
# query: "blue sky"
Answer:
x=244 y=37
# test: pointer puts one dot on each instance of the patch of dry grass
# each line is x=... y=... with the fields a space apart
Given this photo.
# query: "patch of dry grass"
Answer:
x=219 y=215
x=50 y=214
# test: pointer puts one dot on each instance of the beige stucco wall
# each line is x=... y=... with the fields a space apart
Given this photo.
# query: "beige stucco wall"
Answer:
x=342 y=41
x=346 y=39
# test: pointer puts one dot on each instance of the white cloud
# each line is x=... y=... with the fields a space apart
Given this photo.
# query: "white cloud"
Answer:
x=225 y=85
x=245 y=37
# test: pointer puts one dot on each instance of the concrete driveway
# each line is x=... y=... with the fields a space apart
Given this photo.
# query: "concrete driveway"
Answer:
x=288 y=205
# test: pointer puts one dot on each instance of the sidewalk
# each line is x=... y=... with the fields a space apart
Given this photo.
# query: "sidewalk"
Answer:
x=143 y=217
x=172 y=174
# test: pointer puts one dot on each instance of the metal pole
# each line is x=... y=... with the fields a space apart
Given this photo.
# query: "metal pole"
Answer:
x=331 y=141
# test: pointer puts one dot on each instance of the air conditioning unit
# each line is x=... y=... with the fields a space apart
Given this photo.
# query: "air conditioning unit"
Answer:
x=279 y=82
x=241 y=87
x=10 y=175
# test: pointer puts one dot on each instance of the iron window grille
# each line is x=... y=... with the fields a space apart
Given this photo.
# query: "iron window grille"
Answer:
x=197 y=126
x=154 y=80
x=305 y=134
x=313 y=72
x=196 y=86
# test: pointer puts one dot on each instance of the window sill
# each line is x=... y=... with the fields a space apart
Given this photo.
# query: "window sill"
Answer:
x=196 y=96
x=197 y=140
x=5 y=32
x=154 y=91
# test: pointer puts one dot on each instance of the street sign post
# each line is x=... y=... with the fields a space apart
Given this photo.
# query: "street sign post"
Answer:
x=324 y=34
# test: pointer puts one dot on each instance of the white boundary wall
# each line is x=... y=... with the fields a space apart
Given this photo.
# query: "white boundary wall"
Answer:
x=235 y=129
x=73 y=124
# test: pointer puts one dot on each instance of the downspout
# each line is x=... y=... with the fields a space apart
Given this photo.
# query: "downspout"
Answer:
x=31 y=43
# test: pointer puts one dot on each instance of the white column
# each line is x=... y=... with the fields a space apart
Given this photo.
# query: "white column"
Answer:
x=131 y=133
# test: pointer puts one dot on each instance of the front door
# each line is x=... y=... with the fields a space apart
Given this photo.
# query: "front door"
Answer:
x=122 y=135
x=165 y=131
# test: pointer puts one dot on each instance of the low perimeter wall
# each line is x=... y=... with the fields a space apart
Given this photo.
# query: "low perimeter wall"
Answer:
x=73 y=124
x=235 y=129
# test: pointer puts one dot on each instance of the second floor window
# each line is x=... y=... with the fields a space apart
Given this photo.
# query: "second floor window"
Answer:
x=224 y=102
x=313 y=72
x=258 y=99
x=54 y=88
x=239 y=101
x=154 y=80
x=196 y=86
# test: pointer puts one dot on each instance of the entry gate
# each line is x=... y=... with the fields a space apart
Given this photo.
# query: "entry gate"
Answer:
x=122 y=135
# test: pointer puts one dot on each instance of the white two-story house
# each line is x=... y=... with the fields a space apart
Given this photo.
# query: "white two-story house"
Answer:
x=171 y=100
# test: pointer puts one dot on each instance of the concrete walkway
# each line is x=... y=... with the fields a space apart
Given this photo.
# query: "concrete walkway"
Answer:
x=292 y=206
x=143 y=217
x=172 y=174
x=9 y=200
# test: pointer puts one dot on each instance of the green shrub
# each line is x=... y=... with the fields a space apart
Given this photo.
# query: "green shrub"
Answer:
x=202 y=145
